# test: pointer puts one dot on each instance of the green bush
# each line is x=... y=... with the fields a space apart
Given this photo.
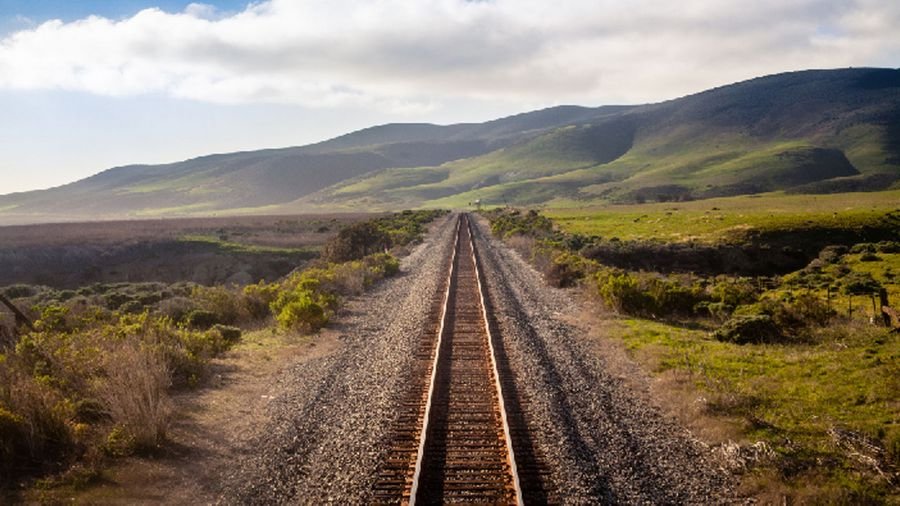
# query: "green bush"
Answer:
x=114 y=300
x=888 y=247
x=622 y=292
x=506 y=223
x=176 y=308
x=356 y=241
x=300 y=309
x=53 y=318
x=381 y=265
x=565 y=269
x=863 y=247
x=201 y=319
x=860 y=283
x=735 y=291
x=19 y=291
x=832 y=254
x=225 y=303
x=803 y=311
x=258 y=298
x=869 y=257
x=645 y=294
x=132 y=306
x=747 y=329
x=230 y=335
x=406 y=227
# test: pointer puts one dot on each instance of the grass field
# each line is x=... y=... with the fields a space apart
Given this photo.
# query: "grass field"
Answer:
x=728 y=219
x=821 y=397
x=792 y=396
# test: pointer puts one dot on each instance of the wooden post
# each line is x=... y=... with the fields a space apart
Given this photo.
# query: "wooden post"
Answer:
x=21 y=319
x=885 y=306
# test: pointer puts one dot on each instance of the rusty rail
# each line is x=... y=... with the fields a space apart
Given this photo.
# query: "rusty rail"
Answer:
x=452 y=441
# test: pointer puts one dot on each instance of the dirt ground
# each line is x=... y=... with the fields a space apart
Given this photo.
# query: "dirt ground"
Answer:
x=211 y=431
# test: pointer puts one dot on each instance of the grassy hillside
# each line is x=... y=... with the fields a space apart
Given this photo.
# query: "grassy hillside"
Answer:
x=828 y=131
x=811 y=132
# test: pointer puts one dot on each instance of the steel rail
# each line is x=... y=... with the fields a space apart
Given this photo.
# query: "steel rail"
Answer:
x=437 y=352
x=459 y=426
x=496 y=373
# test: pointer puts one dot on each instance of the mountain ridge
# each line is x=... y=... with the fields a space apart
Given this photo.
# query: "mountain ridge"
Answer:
x=814 y=130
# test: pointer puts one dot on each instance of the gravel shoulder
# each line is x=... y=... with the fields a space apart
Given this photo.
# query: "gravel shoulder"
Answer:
x=328 y=425
x=589 y=411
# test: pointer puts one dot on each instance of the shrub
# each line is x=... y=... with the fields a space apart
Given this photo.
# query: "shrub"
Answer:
x=566 y=269
x=176 y=308
x=115 y=299
x=225 y=303
x=53 y=318
x=621 y=292
x=406 y=227
x=869 y=257
x=201 y=319
x=132 y=306
x=804 y=311
x=132 y=388
x=735 y=292
x=35 y=421
x=860 y=283
x=19 y=291
x=258 y=297
x=888 y=247
x=230 y=335
x=718 y=310
x=381 y=265
x=355 y=241
x=748 y=329
x=96 y=382
x=507 y=223
x=643 y=294
x=792 y=318
x=300 y=309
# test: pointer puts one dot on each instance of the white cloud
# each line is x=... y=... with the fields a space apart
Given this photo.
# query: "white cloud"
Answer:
x=408 y=55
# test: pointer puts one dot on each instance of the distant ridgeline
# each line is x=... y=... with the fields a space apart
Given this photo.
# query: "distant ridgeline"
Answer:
x=816 y=131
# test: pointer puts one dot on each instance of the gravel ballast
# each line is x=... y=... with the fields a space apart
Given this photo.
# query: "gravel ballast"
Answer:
x=330 y=417
x=602 y=440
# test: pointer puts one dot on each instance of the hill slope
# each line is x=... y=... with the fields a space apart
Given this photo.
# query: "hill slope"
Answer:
x=810 y=131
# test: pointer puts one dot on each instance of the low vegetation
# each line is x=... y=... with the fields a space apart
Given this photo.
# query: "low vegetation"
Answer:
x=93 y=379
x=804 y=361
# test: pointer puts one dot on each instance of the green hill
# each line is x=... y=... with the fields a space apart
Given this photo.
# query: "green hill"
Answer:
x=813 y=132
x=821 y=131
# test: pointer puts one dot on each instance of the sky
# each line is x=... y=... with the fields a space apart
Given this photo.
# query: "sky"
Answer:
x=86 y=85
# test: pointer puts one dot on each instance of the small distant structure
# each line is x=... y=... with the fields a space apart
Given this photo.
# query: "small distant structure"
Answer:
x=478 y=204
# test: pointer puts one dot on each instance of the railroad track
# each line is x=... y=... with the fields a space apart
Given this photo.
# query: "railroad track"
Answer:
x=460 y=436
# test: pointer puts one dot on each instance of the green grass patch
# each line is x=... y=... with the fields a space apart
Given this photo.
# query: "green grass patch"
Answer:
x=236 y=247
x=793 y=396
x=730 y=219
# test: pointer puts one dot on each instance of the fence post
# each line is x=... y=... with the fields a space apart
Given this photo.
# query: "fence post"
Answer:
x=885 y=304
x=21 y=319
